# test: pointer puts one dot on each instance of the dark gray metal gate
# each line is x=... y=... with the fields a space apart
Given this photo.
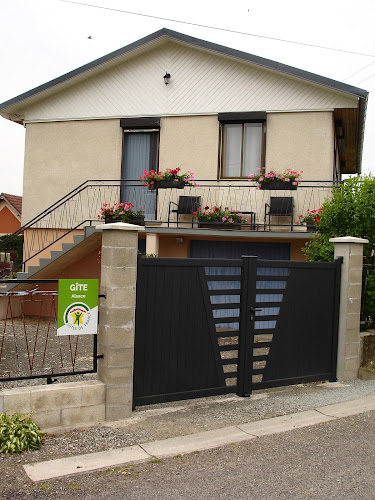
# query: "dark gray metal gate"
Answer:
x=279 y=326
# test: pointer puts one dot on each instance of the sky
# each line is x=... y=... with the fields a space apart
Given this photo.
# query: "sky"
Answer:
x=43 y=39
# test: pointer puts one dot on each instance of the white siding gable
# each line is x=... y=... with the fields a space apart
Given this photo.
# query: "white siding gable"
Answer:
x=202 y=82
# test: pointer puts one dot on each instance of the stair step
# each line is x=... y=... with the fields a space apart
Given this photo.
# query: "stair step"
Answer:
x=78 y=238
x=43 y=262
x=31 y=270
x=54 y=254
x=22 y=276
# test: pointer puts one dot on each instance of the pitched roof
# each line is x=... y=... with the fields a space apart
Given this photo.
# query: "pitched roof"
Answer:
x=12 y=108
x=14 y=200
x=165 y=33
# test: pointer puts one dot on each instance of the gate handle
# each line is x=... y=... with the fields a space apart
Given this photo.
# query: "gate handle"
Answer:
x=253 y=311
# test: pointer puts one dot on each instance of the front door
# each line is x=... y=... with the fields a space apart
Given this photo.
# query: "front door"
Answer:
x=140 y=153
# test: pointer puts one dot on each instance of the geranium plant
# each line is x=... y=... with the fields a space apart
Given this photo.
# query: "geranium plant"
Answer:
x=310 y=216
x=219 y=214
x=151 y=177
x=123 y=211
x=287 y=176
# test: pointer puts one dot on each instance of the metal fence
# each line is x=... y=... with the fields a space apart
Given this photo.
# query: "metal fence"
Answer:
x=29 y=345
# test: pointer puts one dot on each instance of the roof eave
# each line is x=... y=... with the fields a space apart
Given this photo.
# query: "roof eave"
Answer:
x=197 y=42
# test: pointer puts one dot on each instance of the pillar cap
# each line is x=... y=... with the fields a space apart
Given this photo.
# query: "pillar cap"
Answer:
x=122 y=226
x=348 y=239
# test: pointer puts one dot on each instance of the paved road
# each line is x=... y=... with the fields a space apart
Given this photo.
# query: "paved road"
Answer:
x=333 y=460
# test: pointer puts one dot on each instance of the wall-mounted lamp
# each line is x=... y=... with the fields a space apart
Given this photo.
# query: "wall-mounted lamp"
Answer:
x=166 y=77
x=180 y=241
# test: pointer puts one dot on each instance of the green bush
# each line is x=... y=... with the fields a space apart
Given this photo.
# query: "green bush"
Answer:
x=18 y=433
x=350 y=212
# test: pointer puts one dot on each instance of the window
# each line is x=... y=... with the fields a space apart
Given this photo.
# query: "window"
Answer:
x=242 y=144
x=141 y=149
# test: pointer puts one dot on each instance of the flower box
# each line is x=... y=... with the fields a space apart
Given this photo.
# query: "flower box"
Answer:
x=278 y=185
x=122 y=212
x=139 y=221
x=165 y=184
x=213 y=224
x=310 y=226
x=289 y=179
x=171 y=178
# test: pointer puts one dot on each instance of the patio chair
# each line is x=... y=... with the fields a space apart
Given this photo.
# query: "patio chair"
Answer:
x=186 y=206
x=279 y=207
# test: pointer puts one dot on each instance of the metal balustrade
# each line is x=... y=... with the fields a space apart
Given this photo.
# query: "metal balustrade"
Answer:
x=81 y=207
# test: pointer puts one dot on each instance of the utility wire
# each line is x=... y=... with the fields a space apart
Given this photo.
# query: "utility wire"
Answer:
x=219 y=29
x=368 y=78
x=364 y=67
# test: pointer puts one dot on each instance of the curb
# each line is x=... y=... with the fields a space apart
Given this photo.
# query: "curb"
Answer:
x=195 y=442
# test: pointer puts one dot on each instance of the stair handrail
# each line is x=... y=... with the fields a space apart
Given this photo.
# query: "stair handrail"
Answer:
x=45 y=212
x=79 y=189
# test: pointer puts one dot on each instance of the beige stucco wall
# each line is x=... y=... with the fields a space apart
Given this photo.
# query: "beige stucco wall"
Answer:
x=61 y=155
x=301 y=141
x=191 y=143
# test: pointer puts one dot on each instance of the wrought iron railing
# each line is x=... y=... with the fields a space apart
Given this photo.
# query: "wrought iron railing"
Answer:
x=29 y=345
x=81 y=207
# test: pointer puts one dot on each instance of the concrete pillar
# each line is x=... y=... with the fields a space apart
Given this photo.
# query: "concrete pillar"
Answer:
x=348 y=352
x=117 y=316
x=152 y=243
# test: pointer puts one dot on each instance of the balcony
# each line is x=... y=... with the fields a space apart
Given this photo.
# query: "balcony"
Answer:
x=163 y=206
x=66 y=219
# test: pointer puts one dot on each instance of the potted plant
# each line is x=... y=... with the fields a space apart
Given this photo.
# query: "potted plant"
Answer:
x=311 y=219
x=219 y=218
x=122 y=212
x=289 y=179
x=171 y=178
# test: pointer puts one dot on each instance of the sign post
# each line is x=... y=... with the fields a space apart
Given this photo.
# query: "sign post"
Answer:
x=78 y=307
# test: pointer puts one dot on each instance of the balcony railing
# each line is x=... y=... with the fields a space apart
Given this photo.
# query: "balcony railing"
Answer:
x=81 y=207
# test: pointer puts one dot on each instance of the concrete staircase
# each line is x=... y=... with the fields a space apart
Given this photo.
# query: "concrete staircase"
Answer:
x=53 y=256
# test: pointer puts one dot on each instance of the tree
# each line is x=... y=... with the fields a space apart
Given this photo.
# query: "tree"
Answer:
x=350 y=212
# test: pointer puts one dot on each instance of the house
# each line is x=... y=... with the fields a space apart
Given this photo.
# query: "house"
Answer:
x=170 y=100
x=10 y=213
x=10 y=222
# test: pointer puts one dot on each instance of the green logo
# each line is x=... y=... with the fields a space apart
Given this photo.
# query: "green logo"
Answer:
x=77 y=307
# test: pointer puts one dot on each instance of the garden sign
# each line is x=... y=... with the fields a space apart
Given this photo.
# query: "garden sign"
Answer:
x=77 y=307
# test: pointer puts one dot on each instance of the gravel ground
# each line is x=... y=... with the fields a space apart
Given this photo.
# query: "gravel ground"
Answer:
x=172 y=419
x=31 y=344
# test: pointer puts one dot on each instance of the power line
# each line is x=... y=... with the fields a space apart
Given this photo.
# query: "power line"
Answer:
x=368 y=78
x=219 y=29
x=364 y=67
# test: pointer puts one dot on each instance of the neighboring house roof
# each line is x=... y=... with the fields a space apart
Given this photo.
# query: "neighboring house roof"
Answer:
x=13 y=200
x=13 y=108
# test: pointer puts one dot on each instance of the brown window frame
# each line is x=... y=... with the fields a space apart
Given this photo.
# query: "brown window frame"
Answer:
x=240 y=119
